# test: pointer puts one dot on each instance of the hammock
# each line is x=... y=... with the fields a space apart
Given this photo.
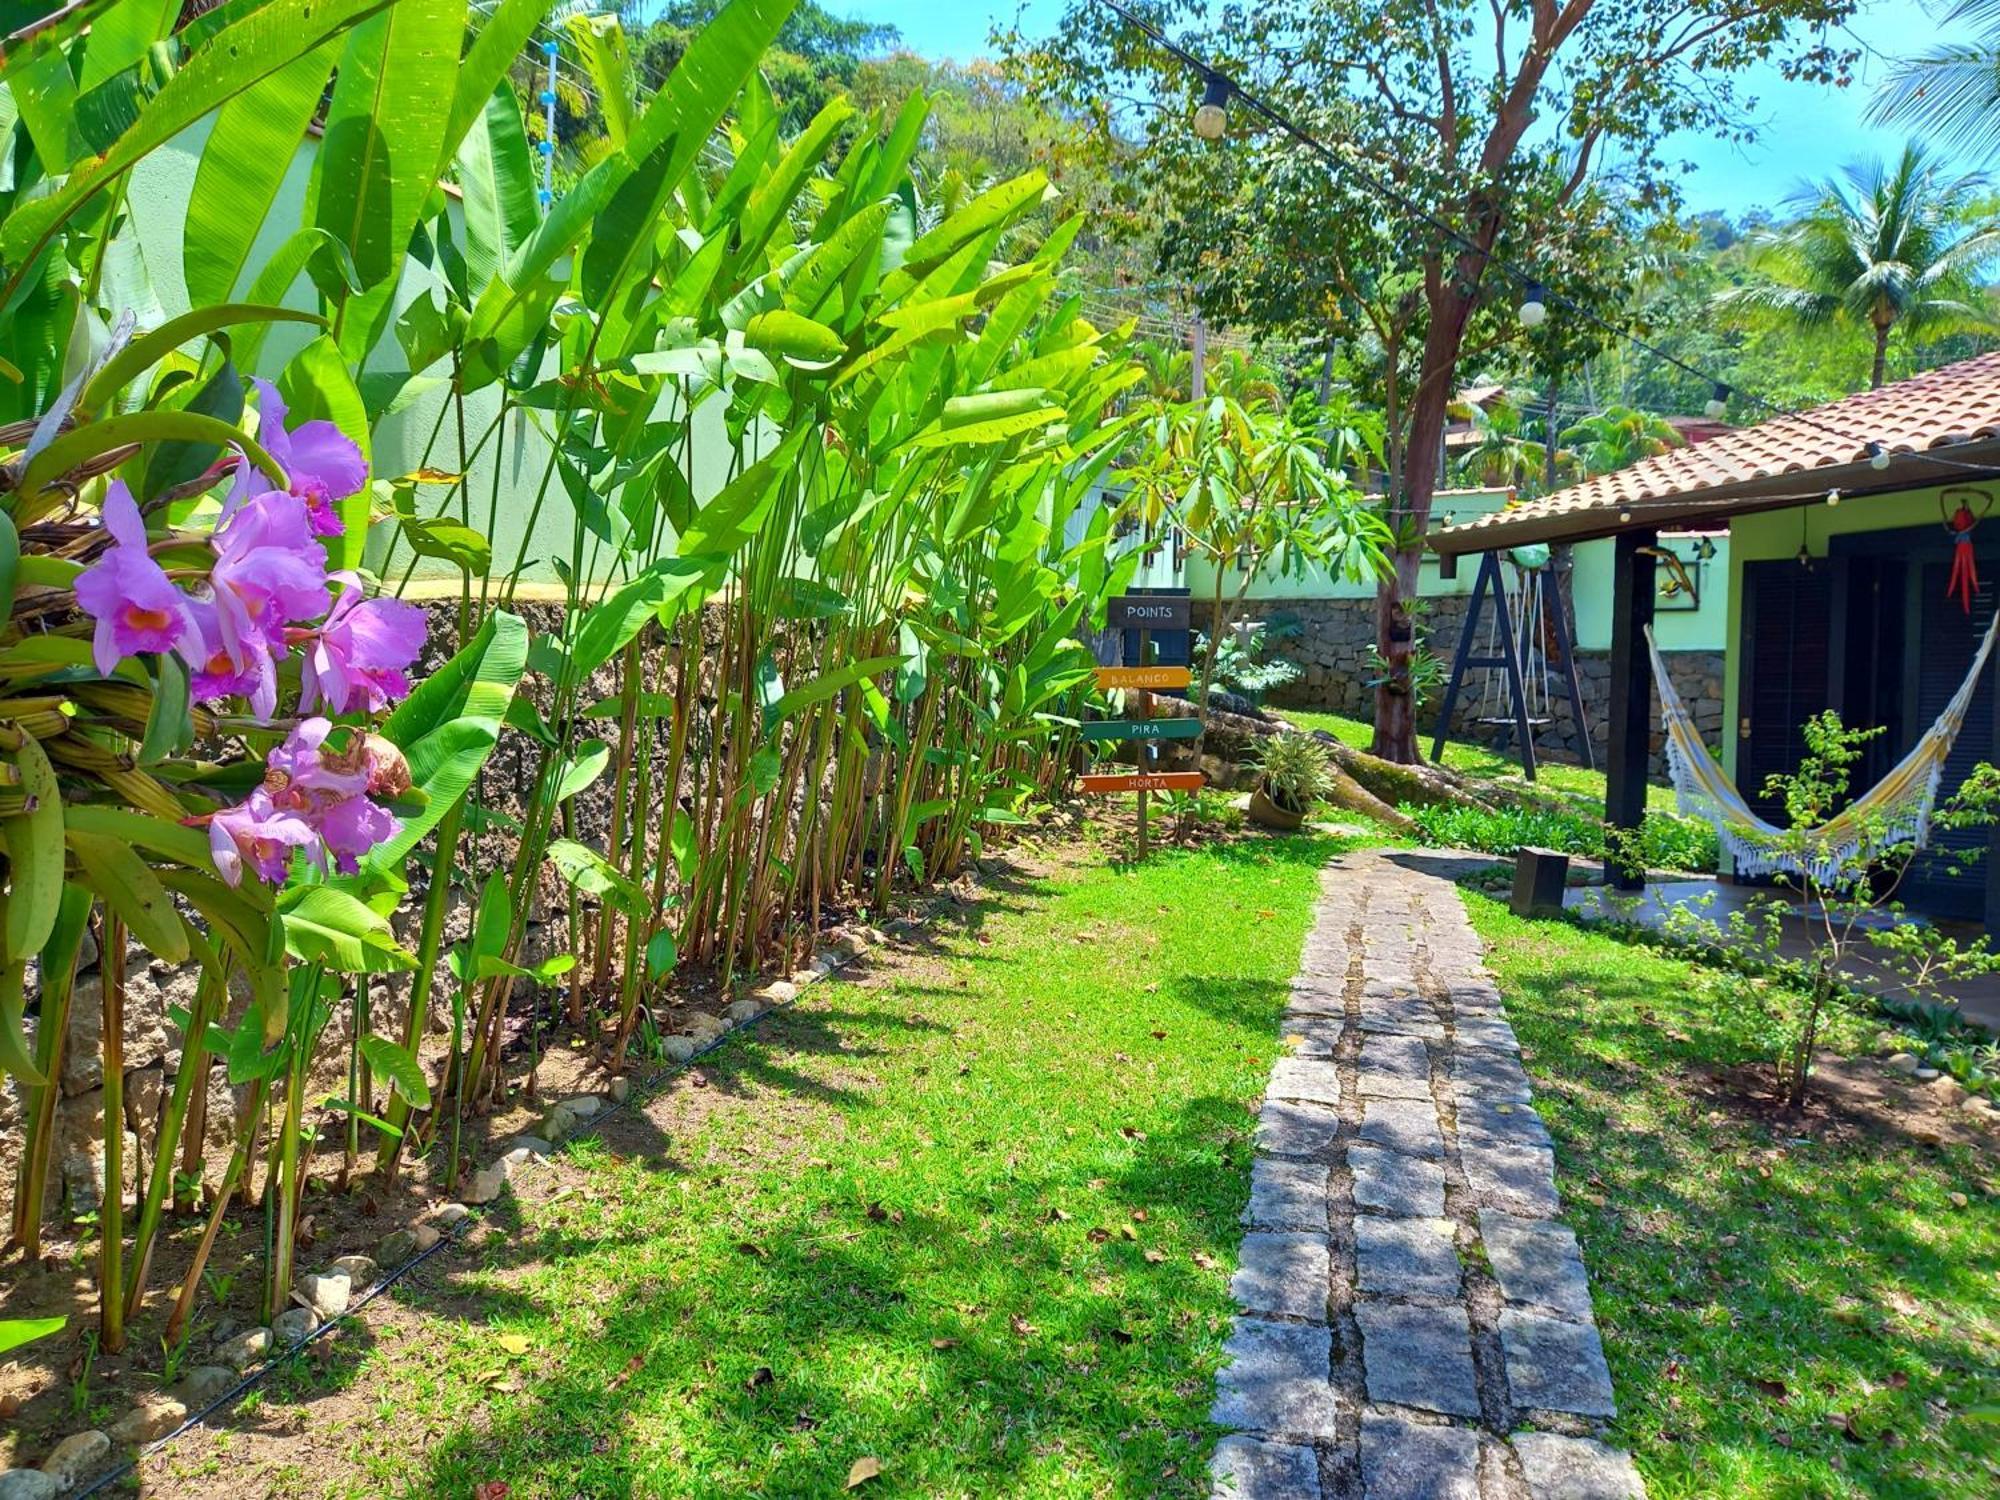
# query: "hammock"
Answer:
x=1895 y=810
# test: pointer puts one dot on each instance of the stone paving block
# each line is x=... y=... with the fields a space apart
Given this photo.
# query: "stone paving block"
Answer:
x=1493 y=1076
x=1287 y=1194
x=1317 y=998
x=1378 y=983
x=1478 y=997
x=1521 y=1182
x=1391 y=1182
x=1486 y=1031
x=1394 y=1066
x=1406 y=1125
x=1418 y=1356
x=1316 y=1080
x=1405 y=1460
x=1555 y=1366
x=1567 y=1468
x=1403 y=1015
x=1489 y=1122
x=1317 y=1036
x=1245 y=1468
x=1283 y=1274
x=1288 y=1128
x=1536 y=1261
x=1406 y=1257
x=1276 y=1379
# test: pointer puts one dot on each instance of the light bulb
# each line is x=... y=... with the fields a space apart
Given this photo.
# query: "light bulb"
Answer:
x=1534 y=311
x=1833 y=497
x=1878 y=457
x=1211 y=116
x=1624 y=515
x=1718 y=403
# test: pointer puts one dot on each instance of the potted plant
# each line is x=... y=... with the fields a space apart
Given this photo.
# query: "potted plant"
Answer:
x=1294 y=774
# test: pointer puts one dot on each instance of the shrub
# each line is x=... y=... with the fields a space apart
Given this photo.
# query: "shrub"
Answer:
x=1664 y=842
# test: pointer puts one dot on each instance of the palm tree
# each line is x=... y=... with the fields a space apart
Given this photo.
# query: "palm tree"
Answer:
x=1952 y=92
x=1619 y=436
x=1883 y=248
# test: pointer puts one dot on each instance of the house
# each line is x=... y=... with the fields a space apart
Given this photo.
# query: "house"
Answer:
x=1837 y=574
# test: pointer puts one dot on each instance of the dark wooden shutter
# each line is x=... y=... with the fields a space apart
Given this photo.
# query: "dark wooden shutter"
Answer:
x=1947 y=637
x=1786 y=655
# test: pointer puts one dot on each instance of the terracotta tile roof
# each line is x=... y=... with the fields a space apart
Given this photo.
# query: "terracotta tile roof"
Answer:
x=1954 y=404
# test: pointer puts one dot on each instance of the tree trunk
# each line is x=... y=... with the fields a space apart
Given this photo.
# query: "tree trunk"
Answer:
x=1881 y=371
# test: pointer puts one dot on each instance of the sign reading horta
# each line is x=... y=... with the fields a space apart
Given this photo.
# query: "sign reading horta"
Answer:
x=1145 y=613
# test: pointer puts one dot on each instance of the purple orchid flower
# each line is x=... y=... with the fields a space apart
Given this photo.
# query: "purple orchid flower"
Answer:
x=217 y=677
x=136 y=606
x=268 y=573
x=258 y=831
x=354 y=826
x=299 y=773
x=323 y=463
x=355 y=660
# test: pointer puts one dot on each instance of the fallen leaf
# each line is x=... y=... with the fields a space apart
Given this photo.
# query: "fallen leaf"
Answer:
x=632 y=1367
x=1128 y=1231
x=515 y=1343
x=1139 y=1214
x=1098 y=1236
x=1154 y=1257
x=1159 y=1036
x=493 y=1489
x=1265 y=914
x=864 y=1470
x=751 y=1247
x=1898 y=1380
x=944 y=1343
x=1022 y=1326
x=1775 y=1389
x=1058 y=1216
x=759 y=1376
x=1119 y=1336
x=1203 y=1259
x=877 y=1212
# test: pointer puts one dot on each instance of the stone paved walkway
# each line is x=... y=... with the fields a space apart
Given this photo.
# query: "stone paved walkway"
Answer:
x=1416 y=1321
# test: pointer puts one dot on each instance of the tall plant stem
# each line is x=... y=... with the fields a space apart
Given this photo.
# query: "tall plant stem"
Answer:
x=239 y=1161
x=111 y=1212
x=193 y=1070
x=59 y=957
x=279 y=1287
x=632 y=681
x=430 y=941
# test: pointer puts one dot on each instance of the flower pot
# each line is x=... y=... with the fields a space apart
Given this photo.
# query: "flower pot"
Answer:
x=1267 y=814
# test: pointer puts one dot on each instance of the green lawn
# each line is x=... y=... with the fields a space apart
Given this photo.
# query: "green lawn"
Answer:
x=972 y=1219
x=1788 y=1312
x=1483 y=762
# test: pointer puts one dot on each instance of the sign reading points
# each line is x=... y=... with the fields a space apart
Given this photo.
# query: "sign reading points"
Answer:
x=1148 y=612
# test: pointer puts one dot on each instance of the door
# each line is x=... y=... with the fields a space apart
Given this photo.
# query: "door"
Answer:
x=1786 y=655
x=1949 y=878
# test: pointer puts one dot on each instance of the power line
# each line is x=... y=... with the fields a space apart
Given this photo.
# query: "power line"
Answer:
x=1290 y=127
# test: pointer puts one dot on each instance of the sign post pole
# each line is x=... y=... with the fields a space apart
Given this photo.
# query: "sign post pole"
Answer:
x=1145 y=712
x=1144 y=613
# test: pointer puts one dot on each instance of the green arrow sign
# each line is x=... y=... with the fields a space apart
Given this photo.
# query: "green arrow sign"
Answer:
x=1141 y=729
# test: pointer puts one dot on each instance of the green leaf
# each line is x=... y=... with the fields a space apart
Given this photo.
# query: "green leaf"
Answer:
x=669 y=585
x=383 y=139
x=34 y=853
x=174 y=841
x=331 y=927
x=591 y=757
x=794 y=337
x=125 y=885
x=607 y=58
x=172 y=463
x=349 y=1107
x=400 y=1067
x=250 y=151
x=170 y=723
x=504 y=30
x=594 y=875
x=150 y=348
x=662 y=953
x=15 y=1332
x=650 y=706
x=729 y=520
x=15 y=1057
x=265 y=40
x=825 y=686
x=10 y=564
x=498 y=179
x=89 y=441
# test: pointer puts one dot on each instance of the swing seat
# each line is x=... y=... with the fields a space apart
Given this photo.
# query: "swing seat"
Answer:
x=1506 y=721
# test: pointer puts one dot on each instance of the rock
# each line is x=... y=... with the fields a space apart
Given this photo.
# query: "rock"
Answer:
x=800 y=978
x=559 y=1124
x=584 y=1106
x=704 y=1028
x=1977 y=1106
x=679 y=1048
x=1949 y=1091
x=620 y=1090
x=26 y=1484
x=291 y=1326
x=1902 y=1062
x=397 y=1246
x=153 y=1419
x=1925 y=1075
x=744 y=1010
x=76 y=1458
x=1888 y=1043
x=777 y=992
x=426 y=1236
x=246 y=1349
x=204 y=1383
x=359 y=1269
x=448 y=1214
x=1958 y=1200
x=487 y=1183
x=144 y=1089
x=327 y=1293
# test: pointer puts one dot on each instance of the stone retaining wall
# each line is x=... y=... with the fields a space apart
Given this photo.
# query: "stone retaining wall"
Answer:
x=1336 y=650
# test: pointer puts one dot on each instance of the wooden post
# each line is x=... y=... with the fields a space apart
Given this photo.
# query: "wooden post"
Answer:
x=1143 y=710
x=1630 y=719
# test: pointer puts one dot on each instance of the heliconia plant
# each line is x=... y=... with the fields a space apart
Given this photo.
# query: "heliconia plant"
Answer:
x=833 y=674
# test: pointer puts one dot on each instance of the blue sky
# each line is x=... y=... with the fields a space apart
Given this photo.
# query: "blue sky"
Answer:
x=1806 y=131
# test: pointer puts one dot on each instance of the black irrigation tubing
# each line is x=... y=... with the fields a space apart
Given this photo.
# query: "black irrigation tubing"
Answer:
x=1520 y=275
x=640 y=1093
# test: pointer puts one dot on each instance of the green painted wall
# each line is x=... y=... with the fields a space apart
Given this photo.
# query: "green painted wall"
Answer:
x=158 y=194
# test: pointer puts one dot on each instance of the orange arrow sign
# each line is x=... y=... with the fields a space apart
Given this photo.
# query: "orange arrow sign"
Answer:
x=1144 y=781
x=1142 y=677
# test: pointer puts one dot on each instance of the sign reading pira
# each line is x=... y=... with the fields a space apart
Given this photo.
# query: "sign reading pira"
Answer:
x=1140 y=729
x=1148 y=612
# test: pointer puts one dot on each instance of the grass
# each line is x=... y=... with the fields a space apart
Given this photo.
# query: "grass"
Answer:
x=972 y=1220
x=1787 y=1312
x=1482 y=761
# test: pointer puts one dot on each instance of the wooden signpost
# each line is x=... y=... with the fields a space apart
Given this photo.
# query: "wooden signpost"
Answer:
x=1144 y=613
